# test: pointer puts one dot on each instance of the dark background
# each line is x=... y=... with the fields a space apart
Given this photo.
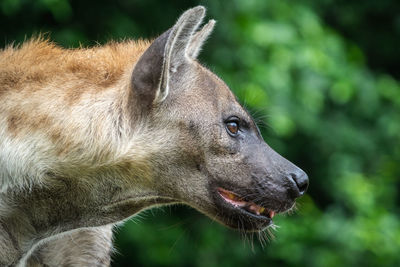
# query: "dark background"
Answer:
x=320 y=77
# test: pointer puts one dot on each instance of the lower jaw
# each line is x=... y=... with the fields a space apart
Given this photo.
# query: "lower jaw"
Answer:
x=244 y=221
x=246 y=214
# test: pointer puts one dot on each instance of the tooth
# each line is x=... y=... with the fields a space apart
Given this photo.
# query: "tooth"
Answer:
x=242 y=203
x=261 y=210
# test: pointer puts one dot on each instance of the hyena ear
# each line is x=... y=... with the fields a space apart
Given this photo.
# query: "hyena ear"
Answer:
x=199 y=38
x=151 y=75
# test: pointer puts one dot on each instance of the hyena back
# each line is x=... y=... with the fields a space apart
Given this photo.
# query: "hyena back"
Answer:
x=90 y=137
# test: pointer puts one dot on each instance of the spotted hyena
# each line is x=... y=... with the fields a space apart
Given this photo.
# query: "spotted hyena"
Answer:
x=90 y=137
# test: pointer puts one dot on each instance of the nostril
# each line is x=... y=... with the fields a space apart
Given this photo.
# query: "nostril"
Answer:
x=301 y=180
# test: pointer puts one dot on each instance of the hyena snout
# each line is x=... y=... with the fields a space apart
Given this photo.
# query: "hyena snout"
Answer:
x=279 y=171
x=280 y=181
x=288 y=175
x=298 y=181
x=279 y=186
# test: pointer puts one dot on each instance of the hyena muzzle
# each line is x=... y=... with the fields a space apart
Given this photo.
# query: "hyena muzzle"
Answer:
x=90 y=137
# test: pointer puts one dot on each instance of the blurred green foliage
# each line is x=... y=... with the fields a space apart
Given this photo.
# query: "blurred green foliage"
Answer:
x=316 y=100
x=374 y=25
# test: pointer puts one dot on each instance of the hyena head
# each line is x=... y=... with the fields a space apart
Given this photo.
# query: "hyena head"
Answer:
x=213 y=157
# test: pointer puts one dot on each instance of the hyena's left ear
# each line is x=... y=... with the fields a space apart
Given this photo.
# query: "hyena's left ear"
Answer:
x=151 y=75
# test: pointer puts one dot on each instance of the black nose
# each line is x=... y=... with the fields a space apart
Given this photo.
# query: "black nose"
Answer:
x=301 y=180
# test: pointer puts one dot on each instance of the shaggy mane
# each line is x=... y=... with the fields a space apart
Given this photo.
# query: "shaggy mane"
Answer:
x=41 y=61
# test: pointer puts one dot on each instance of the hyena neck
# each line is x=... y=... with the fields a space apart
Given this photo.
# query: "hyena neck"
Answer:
x=36 y=214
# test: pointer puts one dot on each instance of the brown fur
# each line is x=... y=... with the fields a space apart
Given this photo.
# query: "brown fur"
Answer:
x=32 y=69
x=38 y=62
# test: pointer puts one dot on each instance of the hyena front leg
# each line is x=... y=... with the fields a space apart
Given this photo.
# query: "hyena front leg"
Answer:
x=85 y=247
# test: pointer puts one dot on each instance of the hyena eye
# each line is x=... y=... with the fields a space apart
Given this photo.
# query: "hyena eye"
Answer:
x=232 y=125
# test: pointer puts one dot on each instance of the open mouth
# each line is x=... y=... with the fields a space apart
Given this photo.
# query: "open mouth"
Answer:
x=248 y=206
